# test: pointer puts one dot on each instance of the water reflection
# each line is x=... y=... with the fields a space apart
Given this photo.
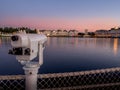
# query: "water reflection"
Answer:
x=48 y=41
x=109 y=44
x=100 y=43
x=0 y=42
x=64 y=54
x=115 y=46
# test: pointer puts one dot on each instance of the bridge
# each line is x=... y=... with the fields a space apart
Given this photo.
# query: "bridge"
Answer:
x=101 y=79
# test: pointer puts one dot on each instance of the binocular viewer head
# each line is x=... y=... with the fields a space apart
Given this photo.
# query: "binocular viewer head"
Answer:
x=26 y=46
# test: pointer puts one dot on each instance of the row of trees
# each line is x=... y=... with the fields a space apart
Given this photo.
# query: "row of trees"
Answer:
x=12 y=30
x=9 y=30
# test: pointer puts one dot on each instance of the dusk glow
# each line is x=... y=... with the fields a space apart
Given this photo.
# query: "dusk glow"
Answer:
x=60 y=14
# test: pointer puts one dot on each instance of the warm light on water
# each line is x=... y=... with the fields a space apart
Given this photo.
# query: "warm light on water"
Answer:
x=0 y=42
x=63 y=54
x=115 y=47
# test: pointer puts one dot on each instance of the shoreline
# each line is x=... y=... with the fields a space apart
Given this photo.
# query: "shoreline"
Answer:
x=73 y=37
x=79 y=36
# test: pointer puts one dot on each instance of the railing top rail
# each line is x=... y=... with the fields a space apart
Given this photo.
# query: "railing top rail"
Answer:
x=5 y=77
x=78 y=73
x=12 y=77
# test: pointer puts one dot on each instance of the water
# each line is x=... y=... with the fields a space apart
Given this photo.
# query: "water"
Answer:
x=63 y=54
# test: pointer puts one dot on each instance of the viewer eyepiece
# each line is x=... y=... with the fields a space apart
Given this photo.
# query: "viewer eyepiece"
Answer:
x=14 y=38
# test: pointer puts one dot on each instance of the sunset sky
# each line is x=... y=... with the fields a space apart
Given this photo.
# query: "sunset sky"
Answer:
x=60 y=14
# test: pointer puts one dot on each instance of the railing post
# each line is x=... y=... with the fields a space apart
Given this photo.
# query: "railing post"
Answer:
x=31 y=71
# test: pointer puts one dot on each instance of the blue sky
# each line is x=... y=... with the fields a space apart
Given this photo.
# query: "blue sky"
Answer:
x=81 y=12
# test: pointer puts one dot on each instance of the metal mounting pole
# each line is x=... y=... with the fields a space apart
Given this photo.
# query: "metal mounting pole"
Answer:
x=41 y=48
x=31 y=70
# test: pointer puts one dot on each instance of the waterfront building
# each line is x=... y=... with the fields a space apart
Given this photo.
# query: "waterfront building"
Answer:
x=73 y=33
x=59 y=32
x=62 y=33
x=46 y=32
x=54 y=33
x=21 y=31
x=114 y=32
x=101 y=33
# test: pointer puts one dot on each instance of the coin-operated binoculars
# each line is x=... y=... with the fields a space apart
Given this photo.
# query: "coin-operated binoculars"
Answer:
x=26 y=47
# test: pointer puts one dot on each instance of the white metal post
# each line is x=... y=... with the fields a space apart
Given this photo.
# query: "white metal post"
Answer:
x=31 y=71
x=41 y=48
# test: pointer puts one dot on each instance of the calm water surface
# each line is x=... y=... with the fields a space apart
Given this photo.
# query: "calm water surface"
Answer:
x=67 y=55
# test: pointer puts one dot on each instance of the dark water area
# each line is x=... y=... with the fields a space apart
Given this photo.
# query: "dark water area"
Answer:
x=64 y=54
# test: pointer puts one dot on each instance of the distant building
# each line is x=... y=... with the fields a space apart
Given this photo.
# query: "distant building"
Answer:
x=59 y=32
x=114 y=32
x=54 y=33
x=62 y=32
x=22 y=31
x=73 y=33
x=45 y=32
x=101 y=33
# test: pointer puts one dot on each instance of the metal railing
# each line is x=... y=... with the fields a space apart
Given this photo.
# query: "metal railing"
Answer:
x=85 y=80
x=12 y=82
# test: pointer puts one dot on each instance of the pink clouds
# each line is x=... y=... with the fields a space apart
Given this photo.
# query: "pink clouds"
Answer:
x=61 y=23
